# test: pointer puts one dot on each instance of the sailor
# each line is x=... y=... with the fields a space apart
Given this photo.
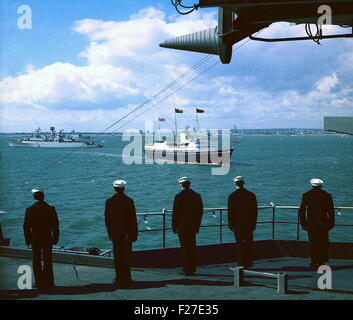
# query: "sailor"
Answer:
x=41 y=231
x=186 y=221
x=120 y=220
x=242 y=217
x=317 y=216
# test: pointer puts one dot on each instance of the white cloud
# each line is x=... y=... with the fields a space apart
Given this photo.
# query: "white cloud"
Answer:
x=65 y=82
x=326 y=84
x=119 y=42
x=124 y=66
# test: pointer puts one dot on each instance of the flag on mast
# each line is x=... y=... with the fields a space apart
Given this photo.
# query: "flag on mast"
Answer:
x=199 y=110
x=178 y=110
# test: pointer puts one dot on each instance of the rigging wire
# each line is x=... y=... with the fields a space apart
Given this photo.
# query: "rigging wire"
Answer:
x=169 y=95
x=183 y=75
x=181 y=87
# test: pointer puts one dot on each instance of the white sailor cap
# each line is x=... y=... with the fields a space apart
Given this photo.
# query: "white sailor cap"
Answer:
x=36 y=190
x=316 y=182
x=119 y=183
x=183 y=179
x=238 y=178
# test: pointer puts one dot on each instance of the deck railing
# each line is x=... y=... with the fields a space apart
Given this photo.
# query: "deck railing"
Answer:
x=222 y=213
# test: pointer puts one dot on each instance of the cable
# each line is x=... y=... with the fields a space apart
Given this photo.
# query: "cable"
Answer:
x=177 y=3
x=166 y=97
x=181 y=87
x=74 y=265
x=159 y=92
x=315 y=38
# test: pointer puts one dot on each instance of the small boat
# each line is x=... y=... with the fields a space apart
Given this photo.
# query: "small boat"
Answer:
x=54 y=140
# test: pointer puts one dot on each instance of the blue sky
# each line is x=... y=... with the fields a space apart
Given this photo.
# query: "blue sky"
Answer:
x=84 y=64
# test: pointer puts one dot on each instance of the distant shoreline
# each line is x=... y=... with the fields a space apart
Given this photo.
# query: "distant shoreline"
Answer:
x=274 y=131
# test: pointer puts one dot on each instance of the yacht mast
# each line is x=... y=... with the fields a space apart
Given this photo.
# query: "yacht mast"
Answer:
x=197 y=120
x=176 y=110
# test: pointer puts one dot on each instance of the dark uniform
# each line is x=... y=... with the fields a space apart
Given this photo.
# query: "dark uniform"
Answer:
x=3 y=241
x=242 y=217
x=317 y=216
x=41 y=230
x=120 y=220
x=186 y=221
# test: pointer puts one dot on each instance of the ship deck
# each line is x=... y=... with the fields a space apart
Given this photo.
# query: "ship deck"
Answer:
x=213 y=281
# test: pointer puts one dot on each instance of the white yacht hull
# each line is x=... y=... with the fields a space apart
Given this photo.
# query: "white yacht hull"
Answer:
x=211 y=157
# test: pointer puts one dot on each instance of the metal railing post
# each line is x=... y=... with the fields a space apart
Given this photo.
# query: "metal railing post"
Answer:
x=282 y=283
x=220 y=225
x=273 y=221
x=298 y=228
x=238 y=277
x=164 y=226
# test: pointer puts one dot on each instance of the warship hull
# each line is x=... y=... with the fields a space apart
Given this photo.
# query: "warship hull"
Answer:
x=51 y=144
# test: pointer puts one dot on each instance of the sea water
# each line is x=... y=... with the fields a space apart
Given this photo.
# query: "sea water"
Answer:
x=277 y=168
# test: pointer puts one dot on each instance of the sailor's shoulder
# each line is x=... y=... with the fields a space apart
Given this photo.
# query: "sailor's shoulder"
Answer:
x=326 y=194
x=128 y=198
x=179 y=194
x=308 y=193
x=233 y=194
x=46 y=205
x=249 y=192
x=196 y=194
x=111 y=198
x=31 y=207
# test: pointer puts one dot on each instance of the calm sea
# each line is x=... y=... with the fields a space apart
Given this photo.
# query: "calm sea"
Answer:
x=276 y=167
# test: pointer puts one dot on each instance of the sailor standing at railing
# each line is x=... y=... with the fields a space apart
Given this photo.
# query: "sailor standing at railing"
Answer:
x=186 y=221
x=242 y=217
x=317 y=216
x=41 y=231
x=121 y=223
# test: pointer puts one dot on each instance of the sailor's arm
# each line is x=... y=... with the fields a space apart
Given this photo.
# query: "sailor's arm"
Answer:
x=230 y=213
x=331 y=213
x=133 y=223
x=175 y=214
x=302 y=213
x=255 y=212
x=107 y=218
x=200 y=212
x=55 y=227
x=27 y=229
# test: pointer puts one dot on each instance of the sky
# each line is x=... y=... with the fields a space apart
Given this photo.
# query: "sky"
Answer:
x=85 y=64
